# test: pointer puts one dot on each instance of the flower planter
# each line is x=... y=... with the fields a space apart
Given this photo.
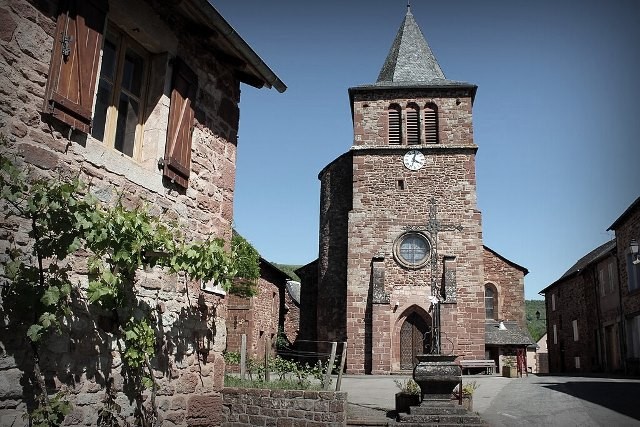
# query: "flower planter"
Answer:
x=467 y=403
x=405 y=400
x=509 y=371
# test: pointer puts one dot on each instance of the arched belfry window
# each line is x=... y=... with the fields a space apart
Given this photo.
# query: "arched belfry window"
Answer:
x=431 y=124
x=413 y=126
x=490 y=302
x=395 y=136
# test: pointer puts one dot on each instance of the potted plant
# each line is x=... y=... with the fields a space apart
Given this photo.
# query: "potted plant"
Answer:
x=509 y=367
x=409 y=395
x=467 y=394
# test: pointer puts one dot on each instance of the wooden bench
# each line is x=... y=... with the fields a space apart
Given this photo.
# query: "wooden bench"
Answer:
x=489 y=366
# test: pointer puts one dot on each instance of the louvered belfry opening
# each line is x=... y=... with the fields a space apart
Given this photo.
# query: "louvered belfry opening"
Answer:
x=413 y=126
x=395 y=136
x=431 y=124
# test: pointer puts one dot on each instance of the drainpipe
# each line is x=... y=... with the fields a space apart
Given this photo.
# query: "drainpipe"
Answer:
x=600 y=327
x=621 y=330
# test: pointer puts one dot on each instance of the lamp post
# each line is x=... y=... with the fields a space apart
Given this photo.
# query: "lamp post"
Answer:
x=633 y=248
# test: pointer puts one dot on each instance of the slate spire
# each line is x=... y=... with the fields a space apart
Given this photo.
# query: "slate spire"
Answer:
x=410 y=59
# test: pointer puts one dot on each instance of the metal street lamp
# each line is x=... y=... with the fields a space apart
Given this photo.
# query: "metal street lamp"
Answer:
x=633 y=247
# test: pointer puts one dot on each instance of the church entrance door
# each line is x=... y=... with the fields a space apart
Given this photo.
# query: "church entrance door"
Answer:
x=414 y=339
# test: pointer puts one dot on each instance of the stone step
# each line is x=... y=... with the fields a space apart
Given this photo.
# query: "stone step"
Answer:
x=363 y=422
x=434 y=424
x=465 y=419
x=454 y=409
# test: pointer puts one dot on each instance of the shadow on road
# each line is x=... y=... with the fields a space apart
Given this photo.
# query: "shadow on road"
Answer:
x=620 y=396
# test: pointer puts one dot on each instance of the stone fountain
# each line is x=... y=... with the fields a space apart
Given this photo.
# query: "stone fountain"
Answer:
x=437 y=375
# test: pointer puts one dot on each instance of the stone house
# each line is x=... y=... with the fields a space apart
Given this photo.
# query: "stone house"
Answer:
x=593 y=310
x=572 y=306
x=266 y=318
x=627 y=230
x=402 y=268
x=139 y=98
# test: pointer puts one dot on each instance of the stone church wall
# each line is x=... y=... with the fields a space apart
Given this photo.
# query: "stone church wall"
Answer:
x=189 y=367
x=509 y=282
x=386 y=198
x=335 y=204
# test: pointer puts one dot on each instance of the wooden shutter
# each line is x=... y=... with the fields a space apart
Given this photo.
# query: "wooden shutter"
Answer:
x=73 y=69
x=431 y=124
x=394 y=126
x=177 y=159
x=413 y=130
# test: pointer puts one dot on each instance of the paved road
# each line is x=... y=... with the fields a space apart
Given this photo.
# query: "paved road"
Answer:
x=565 y=401
x=529 y=401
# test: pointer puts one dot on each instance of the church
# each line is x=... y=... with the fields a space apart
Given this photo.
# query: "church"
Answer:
x=401 y=268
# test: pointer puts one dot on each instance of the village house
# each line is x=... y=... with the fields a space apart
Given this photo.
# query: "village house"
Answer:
x=270 y=319
x=140 y=99
x=593 y=310
x=402 y=269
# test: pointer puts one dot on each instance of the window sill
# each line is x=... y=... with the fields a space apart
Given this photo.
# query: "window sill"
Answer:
x=117 y=163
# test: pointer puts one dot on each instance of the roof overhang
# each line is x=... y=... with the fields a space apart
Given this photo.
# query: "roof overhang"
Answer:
x=625 y=214
x=219 y=36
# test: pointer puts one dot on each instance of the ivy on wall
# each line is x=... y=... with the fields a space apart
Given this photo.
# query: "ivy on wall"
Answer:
x=63 y=219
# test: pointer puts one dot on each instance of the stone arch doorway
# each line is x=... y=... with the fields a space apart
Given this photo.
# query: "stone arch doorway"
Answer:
x=415 y=338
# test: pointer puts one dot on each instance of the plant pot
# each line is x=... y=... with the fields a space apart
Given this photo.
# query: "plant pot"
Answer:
x=467 y=403
x=509 y=371
x=405 y=400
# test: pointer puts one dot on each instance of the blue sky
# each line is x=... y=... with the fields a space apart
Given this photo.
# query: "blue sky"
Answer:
x=556 y=116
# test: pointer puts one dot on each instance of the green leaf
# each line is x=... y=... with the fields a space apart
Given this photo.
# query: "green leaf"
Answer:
x=51 y=296
x=35 y=332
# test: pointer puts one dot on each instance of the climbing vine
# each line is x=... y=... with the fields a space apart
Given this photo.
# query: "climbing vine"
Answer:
x=63 y=219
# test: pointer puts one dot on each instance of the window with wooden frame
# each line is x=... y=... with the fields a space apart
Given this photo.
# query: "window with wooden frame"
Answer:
x=490 y=302
x=118 y=114
x=394 y=125
x=122 y=81
x=413 y=125
x=431 y=124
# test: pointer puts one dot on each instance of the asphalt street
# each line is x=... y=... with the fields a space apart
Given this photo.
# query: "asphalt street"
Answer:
x=528 y=401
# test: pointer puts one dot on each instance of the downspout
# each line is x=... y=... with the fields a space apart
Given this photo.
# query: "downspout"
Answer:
x=621 y=330
x=602 y=352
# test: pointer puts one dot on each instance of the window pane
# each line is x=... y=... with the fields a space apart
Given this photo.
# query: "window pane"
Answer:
x=488 y=303
x=103 y=100
x=132 y=73
x=108 y=69
x=126 y=127
x=414 y=249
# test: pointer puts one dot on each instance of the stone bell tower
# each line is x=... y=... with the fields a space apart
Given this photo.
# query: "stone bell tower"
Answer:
x=400 y=230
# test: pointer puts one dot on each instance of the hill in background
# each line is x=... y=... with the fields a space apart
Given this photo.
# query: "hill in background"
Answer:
x=537 y=328
x=288 y=269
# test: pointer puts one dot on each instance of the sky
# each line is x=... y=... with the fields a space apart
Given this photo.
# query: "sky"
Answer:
x=556 y=116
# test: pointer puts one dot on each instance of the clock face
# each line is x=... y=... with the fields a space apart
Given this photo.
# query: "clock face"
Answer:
x=414 y=160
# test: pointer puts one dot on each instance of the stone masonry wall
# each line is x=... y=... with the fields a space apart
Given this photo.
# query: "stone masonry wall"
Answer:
x=335 y=204
x=574 y=301
x=387 y=197
x=509 y=282
x=626 y=230
x=189 y=366
x=291 y=318
x=284 y=408
x=257 y=317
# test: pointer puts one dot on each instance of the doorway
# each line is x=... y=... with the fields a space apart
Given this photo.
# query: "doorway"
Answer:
x=415 y=338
